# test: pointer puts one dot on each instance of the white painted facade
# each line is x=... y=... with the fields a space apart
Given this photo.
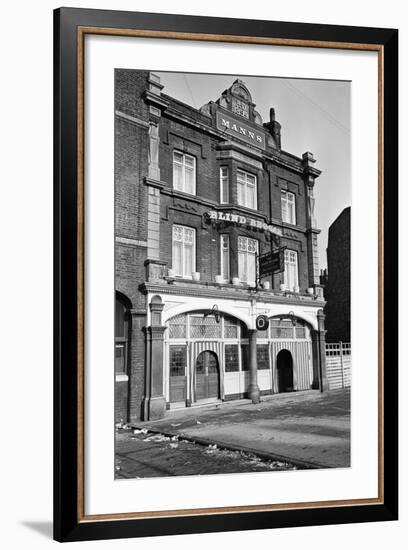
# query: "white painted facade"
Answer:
x=235 y=384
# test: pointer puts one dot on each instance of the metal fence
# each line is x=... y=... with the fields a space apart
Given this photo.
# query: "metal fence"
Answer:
x=338 y=365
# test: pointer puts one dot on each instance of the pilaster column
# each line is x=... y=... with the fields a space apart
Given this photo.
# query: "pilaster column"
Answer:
x=137 y=353
x=319 y=355
x=309 y=176
x=154 y=405
x=146 y=398
x=154 y=141
x=157 y=402
x=157 y=104
x=253 y=389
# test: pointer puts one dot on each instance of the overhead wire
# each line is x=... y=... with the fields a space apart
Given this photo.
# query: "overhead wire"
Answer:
x=333 y=120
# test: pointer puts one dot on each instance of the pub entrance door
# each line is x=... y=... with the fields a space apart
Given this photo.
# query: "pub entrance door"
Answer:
x=207 y=376
x=285 y=371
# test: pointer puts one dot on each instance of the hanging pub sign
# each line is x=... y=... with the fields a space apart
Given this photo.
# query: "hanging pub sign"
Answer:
x=272 y=262
x=218 y=216
x=262 y=322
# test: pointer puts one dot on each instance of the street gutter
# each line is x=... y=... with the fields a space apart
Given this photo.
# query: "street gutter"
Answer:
x=301 y=464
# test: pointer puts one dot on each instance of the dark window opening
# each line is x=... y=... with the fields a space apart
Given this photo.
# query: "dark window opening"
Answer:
x=177 y=360
x=245 y=356
x=122 y=327
x=262 y=356
x=231 y=358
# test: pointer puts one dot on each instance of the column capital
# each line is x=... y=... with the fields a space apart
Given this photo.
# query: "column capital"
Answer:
x=156 y=306
x=310 y=172
x=156 y=332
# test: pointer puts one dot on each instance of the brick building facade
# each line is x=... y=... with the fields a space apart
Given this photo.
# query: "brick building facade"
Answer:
x=337 y=280
x=200 y=194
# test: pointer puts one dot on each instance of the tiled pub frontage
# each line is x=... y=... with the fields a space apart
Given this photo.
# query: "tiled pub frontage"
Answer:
x=200 y=194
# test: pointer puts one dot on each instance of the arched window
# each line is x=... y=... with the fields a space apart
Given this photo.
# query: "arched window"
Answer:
x=121 y=334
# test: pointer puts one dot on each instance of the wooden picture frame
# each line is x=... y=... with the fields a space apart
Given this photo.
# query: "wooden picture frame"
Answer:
x=71 y=26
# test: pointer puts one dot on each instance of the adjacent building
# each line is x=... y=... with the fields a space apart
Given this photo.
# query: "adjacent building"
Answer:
x=200 y=195
x=336 y=280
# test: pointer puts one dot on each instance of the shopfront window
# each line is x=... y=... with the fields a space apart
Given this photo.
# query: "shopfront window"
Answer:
x=245 y=356
x=231 y=358
x=178 y=360
x=262 y=356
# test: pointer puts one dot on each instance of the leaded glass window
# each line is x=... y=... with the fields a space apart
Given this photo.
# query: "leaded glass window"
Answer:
x=230 y=327
x=282 y=329
x=178 y=327
x=178 y=360
x=204 y=327
x=231 y=358
x=262 y=356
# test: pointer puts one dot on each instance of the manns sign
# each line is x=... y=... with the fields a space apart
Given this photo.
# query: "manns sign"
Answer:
x=240 y=130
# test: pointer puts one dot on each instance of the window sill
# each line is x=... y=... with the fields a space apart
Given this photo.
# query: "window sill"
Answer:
x=289 y=224
x=184 y=193
x=249 y=210
x=181 y=278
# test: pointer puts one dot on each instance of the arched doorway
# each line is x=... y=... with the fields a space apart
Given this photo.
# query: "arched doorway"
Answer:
x=284 y=363
x=207 y=376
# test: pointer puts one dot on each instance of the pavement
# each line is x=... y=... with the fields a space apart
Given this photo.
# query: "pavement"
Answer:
x=141 y=454
x=289 y=430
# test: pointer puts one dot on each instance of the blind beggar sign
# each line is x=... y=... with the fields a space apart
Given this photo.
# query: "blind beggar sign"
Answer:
x=242 y=220
x=240 y=130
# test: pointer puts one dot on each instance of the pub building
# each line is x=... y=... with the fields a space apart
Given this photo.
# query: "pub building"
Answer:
x=217 y=274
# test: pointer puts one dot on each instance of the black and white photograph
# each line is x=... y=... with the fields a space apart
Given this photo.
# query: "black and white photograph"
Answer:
x=204 y=235
x=233 y=351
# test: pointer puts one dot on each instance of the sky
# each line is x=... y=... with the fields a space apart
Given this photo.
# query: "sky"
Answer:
x=315 y=117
